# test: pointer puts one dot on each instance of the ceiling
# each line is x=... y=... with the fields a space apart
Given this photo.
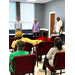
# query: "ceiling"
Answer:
x=37 y=1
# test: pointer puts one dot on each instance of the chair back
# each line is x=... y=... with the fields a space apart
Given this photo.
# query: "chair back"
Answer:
x=59 y=61
x=10 y=42
x=43 y=48
x=53 y=37
x=36 y=37
x=28 y=47
x=24 y=64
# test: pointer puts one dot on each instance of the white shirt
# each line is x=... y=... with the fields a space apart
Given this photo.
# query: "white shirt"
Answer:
x=50 y=55
x=18 y=25
x=59 y=24
x=54 y=35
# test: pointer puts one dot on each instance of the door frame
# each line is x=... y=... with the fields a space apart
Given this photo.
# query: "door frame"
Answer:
x=49 y=21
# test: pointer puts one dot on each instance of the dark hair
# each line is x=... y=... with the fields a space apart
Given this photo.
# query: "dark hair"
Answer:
x=58 y=43
x=17 y=38
x=44 y=33
x=58 y=18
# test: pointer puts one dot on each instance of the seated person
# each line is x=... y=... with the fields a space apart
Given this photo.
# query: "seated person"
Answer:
x=53 y=34
x=18 y=37
x=20 y=46
x=46 y=39
x=50 y=55
x=44 y=36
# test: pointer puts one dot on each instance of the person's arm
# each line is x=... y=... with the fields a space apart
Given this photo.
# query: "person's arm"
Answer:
x=60 y=27
x=10 y=59
x=39 y=28
x=32 y=29
x=14 y=25
x=21 y=25
x=13 y=44
x=33 y=42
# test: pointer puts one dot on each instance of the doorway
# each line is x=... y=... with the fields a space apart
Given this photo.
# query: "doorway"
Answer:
x=51 y=22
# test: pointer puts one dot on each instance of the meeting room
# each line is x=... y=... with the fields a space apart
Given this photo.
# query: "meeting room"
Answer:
x=36 y=37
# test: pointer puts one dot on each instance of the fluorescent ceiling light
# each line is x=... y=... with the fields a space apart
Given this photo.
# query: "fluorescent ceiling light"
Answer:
x=31 y=0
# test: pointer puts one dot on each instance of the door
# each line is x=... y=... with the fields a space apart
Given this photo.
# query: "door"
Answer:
x=52 y=22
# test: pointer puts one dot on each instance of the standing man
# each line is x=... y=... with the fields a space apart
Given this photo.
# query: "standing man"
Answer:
x=18 y=25
x=36 y=28
x=58 y=26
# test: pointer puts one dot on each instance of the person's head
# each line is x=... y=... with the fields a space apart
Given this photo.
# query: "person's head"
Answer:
x=18 y=18
x=44 y=34
x=58 y=43
x=21 y=45
x=54 y=32
x=58 y=18
x=18 y=35
x=35 y=21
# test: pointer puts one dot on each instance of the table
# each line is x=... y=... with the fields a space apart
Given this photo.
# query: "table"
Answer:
x=28 y=35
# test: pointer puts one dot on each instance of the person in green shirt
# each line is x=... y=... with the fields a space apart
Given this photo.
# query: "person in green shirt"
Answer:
x=20 y=46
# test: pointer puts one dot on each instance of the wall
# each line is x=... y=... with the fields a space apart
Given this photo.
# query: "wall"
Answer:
x=39 y=14
x=59 y=7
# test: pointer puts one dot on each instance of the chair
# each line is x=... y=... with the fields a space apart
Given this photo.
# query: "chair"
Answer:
x=36 y=37
x=43 y=48
x=28 y=47
x=10 y=42
x=24 y=64
x=53 y=37
x=59 y=63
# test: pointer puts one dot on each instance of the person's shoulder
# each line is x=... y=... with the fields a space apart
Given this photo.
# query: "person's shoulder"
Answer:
x=54 y=48
x=15 y=52
x=60 y=21
x=37 y=22
x=26 y=52
x=63 y=47
x=20 y=22
x=33 y=23
x=15 y=41
x=12 y=54
x=48 y=38
x=25 y=38
x=40 y=38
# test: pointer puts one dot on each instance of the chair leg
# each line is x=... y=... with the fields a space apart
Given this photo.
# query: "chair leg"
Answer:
x=29 y=73
x=45 y=72
x=37 y=60
x=33 y=73
x=60 y=72
x=37 y=63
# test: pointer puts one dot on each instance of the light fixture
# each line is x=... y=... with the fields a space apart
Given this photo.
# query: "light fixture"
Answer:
x=31 y=0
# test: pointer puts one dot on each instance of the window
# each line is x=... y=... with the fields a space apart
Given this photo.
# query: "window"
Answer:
x=12 y=15
x=27 y=15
